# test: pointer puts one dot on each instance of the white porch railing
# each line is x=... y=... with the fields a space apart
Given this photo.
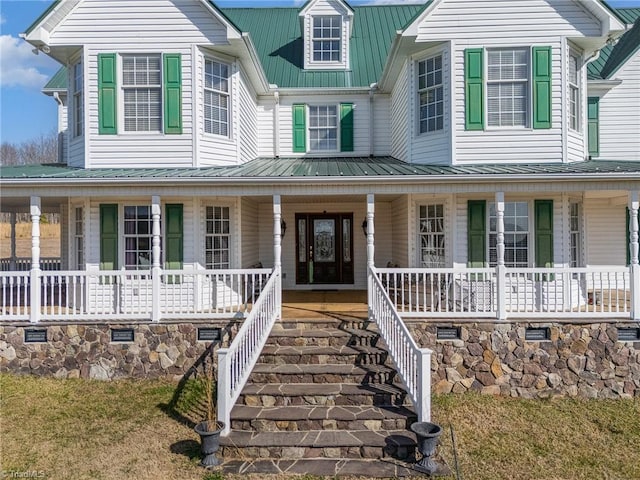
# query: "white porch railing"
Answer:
x=413 y=363
x=236 y=362
x=521 y=292
x=128 y=295
x=23 y=264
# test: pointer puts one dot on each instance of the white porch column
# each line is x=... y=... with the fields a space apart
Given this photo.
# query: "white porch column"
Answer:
x=370 y=230
x=36 y=211
x=277 y=232
x=277 y=249
x=500 y=267
x=12 y=260
x=634 y=205
x=156 y=271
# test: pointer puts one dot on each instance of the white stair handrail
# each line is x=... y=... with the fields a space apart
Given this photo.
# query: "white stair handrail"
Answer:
x=236 y=362
x=413 y=363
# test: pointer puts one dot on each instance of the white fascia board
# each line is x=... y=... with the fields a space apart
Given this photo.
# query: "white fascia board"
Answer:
x=256 y=70
x=610 y=22
x=312 y=4
x=543 y=178
x=598 y=88
x=316 y=92
x=412 y=30
x=232 y=32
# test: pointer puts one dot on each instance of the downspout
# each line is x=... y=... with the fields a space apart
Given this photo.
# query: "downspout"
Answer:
x=58 y=100
x=276 y=123
x=372 y=88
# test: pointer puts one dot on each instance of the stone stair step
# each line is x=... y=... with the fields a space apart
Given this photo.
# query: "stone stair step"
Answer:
x=321 y=467
x=353 y=354
x=301 y=418
x=327 y=394
x=322 y=373
x=334 y=444
x=323 y=337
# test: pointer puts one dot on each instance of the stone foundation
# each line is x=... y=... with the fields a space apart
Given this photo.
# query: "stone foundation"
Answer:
x=86 y=351
x=579 y=360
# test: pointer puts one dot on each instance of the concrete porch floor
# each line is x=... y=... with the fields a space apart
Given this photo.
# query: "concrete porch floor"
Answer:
x=297 y=304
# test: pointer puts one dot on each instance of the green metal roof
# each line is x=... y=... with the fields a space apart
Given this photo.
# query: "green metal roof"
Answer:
x=342 y=167
x=58 y=81
x=613 y=57
x=281 y=47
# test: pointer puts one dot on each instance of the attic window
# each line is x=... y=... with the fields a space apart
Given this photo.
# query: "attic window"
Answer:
x=327 y=32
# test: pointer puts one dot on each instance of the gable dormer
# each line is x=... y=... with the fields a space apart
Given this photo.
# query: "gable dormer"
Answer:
x=326 y=29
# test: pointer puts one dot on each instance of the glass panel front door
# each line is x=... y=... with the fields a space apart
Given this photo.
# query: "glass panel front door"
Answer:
x=324 y=248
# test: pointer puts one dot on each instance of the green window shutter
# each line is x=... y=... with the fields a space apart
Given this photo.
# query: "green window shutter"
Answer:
x=474 y=88
x=108 y=237
x=172 y=93
x=593 y=117
x=346 y=127
x=299 y=128
x=107 y=84
x=544 y=233
x=476 y=233
x=174 y=243
x=541 y=87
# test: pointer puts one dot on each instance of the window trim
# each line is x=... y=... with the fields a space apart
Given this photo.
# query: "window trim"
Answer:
x=78 y=99
x=419 y=234
x=229 y=235
x=122 y=249
x=428 y=89
x=576 y=234
x=209 y=58
x=336 y=106
x=78 y=236
x=530 y=234
x=313 y=39
x=122 y=88
x=575 y=88
x=528 y=114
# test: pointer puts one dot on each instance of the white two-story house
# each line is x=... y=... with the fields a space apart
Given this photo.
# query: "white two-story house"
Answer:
x=461 y=160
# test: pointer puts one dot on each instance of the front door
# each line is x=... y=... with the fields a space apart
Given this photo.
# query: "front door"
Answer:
x=324 y=248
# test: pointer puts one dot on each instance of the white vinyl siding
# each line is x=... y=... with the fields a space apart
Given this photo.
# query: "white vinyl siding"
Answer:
x=175 y=29
x=620 y=115
x=400 y=116
x=247 y=119
x=605 y=238
x=515 y=23
x=250 y=233
x=400 y=232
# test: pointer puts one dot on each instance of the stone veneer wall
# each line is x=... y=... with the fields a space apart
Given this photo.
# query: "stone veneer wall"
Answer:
x=579 y=360
x=86 y=351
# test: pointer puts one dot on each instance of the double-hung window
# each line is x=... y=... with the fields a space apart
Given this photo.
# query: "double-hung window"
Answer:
x=217 y=237
x=430 y=92
x=137 y=237
x=142 y=89
x=323 y=128
x=326 y=38
x=507 y=87
x=431 y=236
x=516 y=234
x=78 y=88
x=574 y=91
x=216 y=98
x=574 y=234
x=78 y=237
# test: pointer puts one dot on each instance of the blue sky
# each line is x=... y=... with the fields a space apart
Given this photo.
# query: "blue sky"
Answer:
x=25 y=112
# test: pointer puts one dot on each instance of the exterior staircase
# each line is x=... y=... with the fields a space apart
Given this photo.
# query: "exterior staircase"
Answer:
x=322 y=389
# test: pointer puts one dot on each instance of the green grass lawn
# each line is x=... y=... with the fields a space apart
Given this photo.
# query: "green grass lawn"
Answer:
x=78 y=429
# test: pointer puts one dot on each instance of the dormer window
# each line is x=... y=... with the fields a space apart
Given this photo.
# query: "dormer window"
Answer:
x=326 y=28
x=327 y=31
